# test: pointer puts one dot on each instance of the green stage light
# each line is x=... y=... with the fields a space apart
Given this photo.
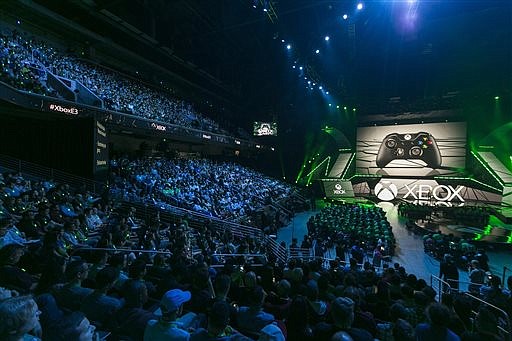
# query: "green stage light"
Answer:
x=496 y=98
x=344 y=108
x=337 y=107
x=354 y=109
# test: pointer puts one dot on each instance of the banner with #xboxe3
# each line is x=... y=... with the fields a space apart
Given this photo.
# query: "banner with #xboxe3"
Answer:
x=412 y=149
x=423 y=191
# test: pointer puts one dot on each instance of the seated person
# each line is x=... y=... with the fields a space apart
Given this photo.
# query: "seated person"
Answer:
x=11 y=275
x=71 y=294
x=132 y=318
x=73 y=327
x=98 y=306
x=169 y=326
x=218 y=325
x=342 y=313
x=19 y=319
x=252 y=318
x=9 y=234
x=436 y=328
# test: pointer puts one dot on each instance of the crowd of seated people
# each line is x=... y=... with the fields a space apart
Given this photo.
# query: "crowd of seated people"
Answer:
x=219 y=189
x=54 y=289
x=18 y=67
x=351 y=228
x=22 y=58
x=464 y=215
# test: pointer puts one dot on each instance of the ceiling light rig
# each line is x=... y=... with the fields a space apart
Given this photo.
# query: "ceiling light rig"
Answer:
x=306 y=71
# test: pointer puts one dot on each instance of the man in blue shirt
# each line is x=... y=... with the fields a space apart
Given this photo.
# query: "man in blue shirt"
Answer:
x=169 y=326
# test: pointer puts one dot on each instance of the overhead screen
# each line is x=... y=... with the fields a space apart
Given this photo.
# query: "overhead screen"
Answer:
x=265 y=129
x=412 y=149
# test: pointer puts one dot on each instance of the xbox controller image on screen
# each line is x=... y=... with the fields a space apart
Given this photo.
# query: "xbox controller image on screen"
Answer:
x=412 y=146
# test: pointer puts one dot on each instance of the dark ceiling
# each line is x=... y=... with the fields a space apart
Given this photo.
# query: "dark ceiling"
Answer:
x=392 y=48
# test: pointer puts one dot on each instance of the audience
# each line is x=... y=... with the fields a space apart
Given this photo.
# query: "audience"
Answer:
x=206 y=296
x=26 y=63
x=223 y=190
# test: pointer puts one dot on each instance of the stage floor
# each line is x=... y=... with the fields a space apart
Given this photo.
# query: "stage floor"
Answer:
x=409 y=249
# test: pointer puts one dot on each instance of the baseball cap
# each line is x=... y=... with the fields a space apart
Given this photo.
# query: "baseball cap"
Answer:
x=172 y=301
x=271 y=332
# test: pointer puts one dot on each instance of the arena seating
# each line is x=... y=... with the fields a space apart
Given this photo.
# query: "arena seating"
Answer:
x=26 y=62
x=47 y=230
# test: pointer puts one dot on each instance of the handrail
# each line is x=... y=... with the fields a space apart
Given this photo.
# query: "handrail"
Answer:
x=440 y=290
x=40 y=171
x=463 y=282
x=504 y=275
x=276 y=249
x=118 y=250
x=240 y=255
x=507 y=319
x=237 y=229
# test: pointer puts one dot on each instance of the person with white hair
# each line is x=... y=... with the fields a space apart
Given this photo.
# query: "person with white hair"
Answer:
x=19 y=319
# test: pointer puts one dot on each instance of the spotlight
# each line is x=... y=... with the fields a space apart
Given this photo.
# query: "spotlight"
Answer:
x=314 y=84
x=309 y=82
x=330 y=104
x=354 y=109
x=345 y=16
x=359 y=6
x=317 y=51
x=327 y=38
x=264 y=10
x=288 y=47
x=496 y=98
x=344 y=108
x=320 y=87
x=327 y=92
x=282 y=40
x=300 y=68
x=293 y=66
x=337 y=107
x=411 y=1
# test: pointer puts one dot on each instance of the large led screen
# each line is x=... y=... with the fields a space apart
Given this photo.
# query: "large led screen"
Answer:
x=265 y=128
x=412 y=149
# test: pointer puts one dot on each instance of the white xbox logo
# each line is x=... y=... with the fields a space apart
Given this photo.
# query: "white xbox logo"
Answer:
x=337 y=186
x=385 y=190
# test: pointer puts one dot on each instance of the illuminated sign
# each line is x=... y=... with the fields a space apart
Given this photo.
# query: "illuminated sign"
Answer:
x=440 y=192
x=158 y=127
x=420 y=193
x=65 y=110
x=338 y=190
